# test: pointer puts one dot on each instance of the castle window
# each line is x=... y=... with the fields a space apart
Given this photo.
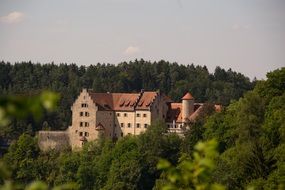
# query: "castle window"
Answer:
x=87 y=114
x=86 y=134
x=144 y=115
x=80 y=134
x=129 y=125
x=138 y=125
x=81 y=124
x=122 y=124
x=145 y=125
x=118 y=114
x=84 y=105
x=86 y=124
x=125 y=114
x=122 y=134
x=138 y=115
x=81 y=114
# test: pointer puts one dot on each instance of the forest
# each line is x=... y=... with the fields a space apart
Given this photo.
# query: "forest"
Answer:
x=244 y=144
x=27 y=78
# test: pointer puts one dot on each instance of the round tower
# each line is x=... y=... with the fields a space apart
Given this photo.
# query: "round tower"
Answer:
x=187 y=106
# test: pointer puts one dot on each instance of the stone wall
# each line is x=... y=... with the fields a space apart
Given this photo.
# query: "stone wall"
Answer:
x=57 y=140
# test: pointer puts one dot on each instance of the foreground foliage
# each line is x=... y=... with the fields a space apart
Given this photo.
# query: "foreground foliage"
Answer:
x=192 y=174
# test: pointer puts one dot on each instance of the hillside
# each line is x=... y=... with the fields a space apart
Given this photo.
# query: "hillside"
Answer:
x=249 y=133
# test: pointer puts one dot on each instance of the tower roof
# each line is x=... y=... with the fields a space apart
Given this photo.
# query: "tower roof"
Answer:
x=187 y=96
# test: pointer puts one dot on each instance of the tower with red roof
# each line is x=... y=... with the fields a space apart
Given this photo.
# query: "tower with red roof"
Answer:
x=187 y=106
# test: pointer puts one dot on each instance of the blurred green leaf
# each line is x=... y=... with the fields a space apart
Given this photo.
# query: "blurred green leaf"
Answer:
x=163 y=164
x=38 y=185
x=193 y=174
x=22 y=106
x=49 y=100
x=4 y=172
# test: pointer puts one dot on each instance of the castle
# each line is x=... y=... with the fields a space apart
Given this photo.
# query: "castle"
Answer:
x=115 y=115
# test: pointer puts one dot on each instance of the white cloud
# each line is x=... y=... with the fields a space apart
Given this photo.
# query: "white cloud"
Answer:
x=132 y=50
x=13 y=17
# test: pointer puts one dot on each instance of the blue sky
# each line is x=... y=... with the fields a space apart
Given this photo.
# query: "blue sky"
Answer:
x=245 y=35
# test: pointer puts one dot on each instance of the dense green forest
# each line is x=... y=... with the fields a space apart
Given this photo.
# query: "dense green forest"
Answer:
x=27 y=78
x=250 y=136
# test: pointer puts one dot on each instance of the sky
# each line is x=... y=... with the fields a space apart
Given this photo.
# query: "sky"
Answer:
x=245 y=35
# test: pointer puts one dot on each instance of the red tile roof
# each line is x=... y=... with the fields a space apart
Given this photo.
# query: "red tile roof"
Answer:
x=146 y=100
x=187 y=96
x=175 y=112
x=123 y=101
